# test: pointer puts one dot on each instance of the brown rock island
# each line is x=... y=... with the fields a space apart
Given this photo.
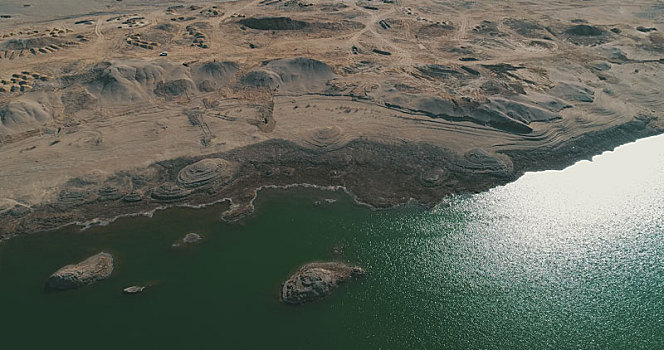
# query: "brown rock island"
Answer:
x=316 y=280
x=95 y=268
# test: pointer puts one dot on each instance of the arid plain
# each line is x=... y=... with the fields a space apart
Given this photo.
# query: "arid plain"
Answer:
x=112 y=108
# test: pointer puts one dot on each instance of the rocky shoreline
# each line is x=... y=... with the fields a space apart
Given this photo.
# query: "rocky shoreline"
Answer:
x=469 y=105
x=379 y=175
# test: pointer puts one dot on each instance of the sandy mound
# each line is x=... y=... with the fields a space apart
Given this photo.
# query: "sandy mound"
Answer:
x=175 y=88
x=132 y=80
x=299 y=74
x=22 y=115
x=29 y=43
x=212 y=76
x=261 y=79
x=123 y=82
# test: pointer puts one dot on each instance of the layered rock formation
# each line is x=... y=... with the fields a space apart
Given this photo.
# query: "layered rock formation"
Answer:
x=206 y=171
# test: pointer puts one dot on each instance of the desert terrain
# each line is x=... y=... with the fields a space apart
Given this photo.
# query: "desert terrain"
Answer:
x=112 y=108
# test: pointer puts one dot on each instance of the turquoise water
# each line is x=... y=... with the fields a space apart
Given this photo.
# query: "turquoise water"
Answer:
x=567 y=259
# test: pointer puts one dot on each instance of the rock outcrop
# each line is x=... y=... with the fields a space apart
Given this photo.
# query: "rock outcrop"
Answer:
x=274 y=23
x=206 y=171
x=90 y=270
x=169 y=192
x=433 y=177
x=327 y=138
x=314 y=281
x=134 y=196
x=497 y=112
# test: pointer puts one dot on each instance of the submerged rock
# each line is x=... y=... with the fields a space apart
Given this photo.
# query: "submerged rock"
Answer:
x=133 y=290
x=326 y=201
x=190 y=238
x=90 y=270
x=316 y=280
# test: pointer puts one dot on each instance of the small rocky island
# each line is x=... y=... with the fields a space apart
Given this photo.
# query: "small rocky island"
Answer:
x=317 y=280
x=95 y=268
x=133 y=290
x=189 y=238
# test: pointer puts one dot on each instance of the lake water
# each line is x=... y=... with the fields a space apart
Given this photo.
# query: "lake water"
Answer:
x=570 y=259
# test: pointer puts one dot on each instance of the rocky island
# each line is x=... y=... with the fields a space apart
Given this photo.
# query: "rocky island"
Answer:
x=95 y=268
x=315 y=281
x=118 y=108
x=133 y=290
x=188 y=239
